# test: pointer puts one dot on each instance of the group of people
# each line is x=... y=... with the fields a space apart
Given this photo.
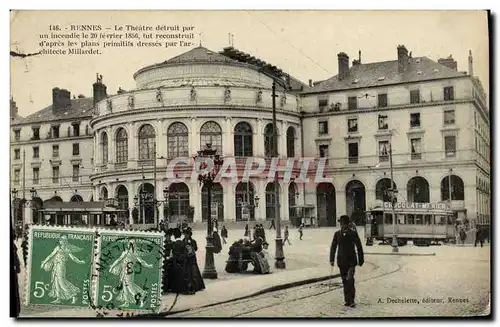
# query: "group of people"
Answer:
x=244 y=251
x=181 y=273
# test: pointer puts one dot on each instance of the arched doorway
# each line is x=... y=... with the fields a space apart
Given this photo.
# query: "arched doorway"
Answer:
x=418 y=190
x=292 y=197
x=146 y=204
x=326 y=205
x=382 y=190
x=217 y=202
x=76 y=218
x=271 y=202
x=36 y=206
x=355 y=201
x=178 y=203
x=457 y=188
x=54 y=219
x=122 y=198
x=245 y=194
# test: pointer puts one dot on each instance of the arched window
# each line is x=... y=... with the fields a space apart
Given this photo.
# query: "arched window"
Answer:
x=457 y=188
x=268 y=140
x=217 y=202
x=290 y=142
x=382 y=190
x=245 y=201
x=243 y=140
x=104 y=148
x=122 y=197
x=121 y=146
x=104 y=194
x=418 y=190
x=146 y=142
x=211 y=133
x=178 y=145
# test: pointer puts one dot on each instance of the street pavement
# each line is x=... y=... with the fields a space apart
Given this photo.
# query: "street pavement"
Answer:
x=308 y=258
x=453 y=282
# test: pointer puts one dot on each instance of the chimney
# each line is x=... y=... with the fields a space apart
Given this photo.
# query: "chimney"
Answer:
x=61 y=100
x=343 y=59
x=14 y=111
x=402 y=59
x=310 y=83
x=448 y=62
x=359 y=56
x=100 y=92
x=471 y=68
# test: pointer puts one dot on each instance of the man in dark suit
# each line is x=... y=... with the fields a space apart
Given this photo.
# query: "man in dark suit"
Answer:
x=346 y=239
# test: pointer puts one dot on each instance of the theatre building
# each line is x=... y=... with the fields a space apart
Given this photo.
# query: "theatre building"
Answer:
x=177 y=107
x=435 y=119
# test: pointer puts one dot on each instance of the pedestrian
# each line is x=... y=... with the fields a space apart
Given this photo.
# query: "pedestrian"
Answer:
x=223 y=233
x=347 y=240
x=24 y=246
x=15 y=307
x=479 y=236
x=247 y=232
x=262 y=232
x=463 y=235
x=271 y=225
x=287 y=235
x=300 y=231
x=254 y=232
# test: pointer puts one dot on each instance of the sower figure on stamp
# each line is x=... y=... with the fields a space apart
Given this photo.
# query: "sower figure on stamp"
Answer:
x=346 y=239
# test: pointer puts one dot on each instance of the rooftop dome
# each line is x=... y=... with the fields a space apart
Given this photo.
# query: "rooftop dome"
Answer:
x=199 y=54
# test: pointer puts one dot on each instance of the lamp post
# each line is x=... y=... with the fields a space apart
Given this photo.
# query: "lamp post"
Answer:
x=14 y=198
x=207 y=179
x=393 y=202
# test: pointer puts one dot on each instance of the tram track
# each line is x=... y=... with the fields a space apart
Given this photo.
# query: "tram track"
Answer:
x=277 y=298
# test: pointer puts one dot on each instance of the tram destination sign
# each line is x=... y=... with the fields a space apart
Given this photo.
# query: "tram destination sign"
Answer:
x=418 y=206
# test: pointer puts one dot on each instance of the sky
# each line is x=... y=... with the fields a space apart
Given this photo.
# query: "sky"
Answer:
x=303 y=43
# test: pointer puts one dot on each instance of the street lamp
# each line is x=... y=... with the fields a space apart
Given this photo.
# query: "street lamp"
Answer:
x=393 y=193
x=207 y=179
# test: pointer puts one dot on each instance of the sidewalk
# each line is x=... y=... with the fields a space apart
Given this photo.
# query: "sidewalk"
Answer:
x=218 y=291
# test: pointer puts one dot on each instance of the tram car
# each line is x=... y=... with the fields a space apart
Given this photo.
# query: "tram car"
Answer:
x=422 y=223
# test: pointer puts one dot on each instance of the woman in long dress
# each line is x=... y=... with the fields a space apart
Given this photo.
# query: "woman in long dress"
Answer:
x=124 y=267
x=177 y=281
x=195 y=280
x=60 y=287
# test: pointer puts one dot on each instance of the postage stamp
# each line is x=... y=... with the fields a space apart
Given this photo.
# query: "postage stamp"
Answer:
x=128 y=270
x=60 y=261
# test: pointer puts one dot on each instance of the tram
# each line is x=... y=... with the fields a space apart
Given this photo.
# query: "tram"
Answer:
x=421 y=223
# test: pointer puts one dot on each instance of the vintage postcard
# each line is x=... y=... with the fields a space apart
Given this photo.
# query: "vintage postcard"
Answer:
x=250 y=164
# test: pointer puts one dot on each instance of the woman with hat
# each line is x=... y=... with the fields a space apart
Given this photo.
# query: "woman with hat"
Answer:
x=195 y=280
x=261 y=265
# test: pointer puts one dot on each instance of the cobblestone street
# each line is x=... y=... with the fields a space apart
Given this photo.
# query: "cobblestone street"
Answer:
x=461 y=273
x=454 y=282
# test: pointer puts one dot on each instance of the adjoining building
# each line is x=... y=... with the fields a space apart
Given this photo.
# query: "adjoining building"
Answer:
x=434 y=118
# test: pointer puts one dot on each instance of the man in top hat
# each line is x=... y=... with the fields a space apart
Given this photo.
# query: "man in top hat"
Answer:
x=346 y=239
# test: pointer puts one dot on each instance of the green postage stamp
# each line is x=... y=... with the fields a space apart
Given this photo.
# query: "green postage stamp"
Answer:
x=60 y=264
x=129 y=269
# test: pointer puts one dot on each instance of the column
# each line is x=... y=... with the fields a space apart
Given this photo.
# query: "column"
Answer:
x=160 y=136
x=111 y=148
x=298 y=141
x=28 y=213
x=194 y=142
x=258 y=139
x=284 y=202
x=97 y=153
x=260 y=189
x=131 y=194
x=132 y=146
x=340 y=202
x=282 y=139
x=228 y=139
x=229 y=201
x=369 y=198
x=195 y=200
